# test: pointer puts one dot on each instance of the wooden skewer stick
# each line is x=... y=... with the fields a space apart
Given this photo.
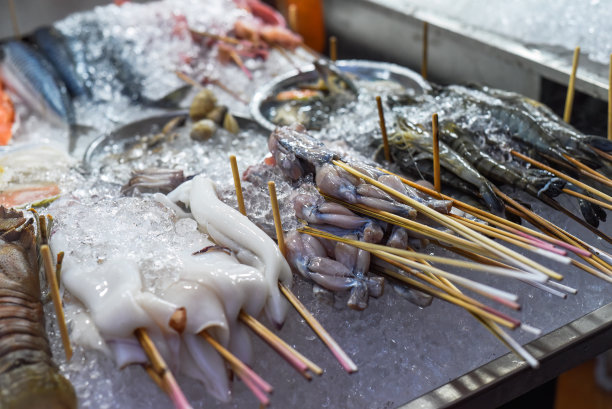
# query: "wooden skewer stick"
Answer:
x=449 y=298
x=569 y=100
x=333 y=48
x=562 y=175
x=546 y=225
x=346 y=362
x=277 y=220
x=293 y=357
x=413 y=255
x=13 y=12
x=436 y=153
x=510 y=255
x=610 y=100
x=252 y=380
x=412 y=226
x=424 y=50
x=517 y=241
x=314 y=324
x=170 y=386
x=441 y=283
x=491 y=218
x=383 y=129
x=588 y=198
x=57 y=300
x=590 y=171
x=601 y=153
x=293 y=19
x=496 y=330
x=335 y=349
x=237 y=184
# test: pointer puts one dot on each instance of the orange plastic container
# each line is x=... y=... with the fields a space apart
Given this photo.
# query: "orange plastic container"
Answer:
x=310 y=22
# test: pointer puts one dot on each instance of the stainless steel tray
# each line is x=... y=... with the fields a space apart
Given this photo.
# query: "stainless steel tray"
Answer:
x=369 y=70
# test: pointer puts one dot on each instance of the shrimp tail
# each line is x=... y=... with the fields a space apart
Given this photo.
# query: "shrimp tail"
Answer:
x=600 y=143
x=493 y=202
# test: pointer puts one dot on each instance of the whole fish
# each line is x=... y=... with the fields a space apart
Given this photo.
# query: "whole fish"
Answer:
x=408 y=136
x=28 y=377
x=52 y=44
x=27 y=73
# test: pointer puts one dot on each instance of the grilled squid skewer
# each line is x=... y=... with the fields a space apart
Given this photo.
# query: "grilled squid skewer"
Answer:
x=28 y=377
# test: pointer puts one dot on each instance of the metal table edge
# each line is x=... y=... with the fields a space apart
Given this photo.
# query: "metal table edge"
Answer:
x=507 y=377
x=547 y=64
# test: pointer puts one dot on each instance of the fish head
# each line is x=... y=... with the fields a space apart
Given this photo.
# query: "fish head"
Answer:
x=337 y=82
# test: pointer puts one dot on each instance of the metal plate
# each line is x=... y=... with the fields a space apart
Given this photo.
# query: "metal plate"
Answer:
x=143 y=127
x=367 y=70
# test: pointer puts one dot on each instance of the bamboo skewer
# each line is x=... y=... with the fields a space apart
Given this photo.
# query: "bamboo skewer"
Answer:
x=561 y=175
x=601 y=153
x=436 y=153
x=383 y=129
x=487 y=291
x=237 y=184
x=588 y=198
x=257 y=385
x=413 y=255
x=569 y=100
x=57 y=299
x=412 y=226
x=293 y=19
x=593 y=173
x=438 y=282
x=327 y=339
x=346 y=362
x=491 y=218
x=164 y=375
x=497 y=331
x=13 y=12
x=333 y=48
x=553 y=229
x=424 y=50
x=512 y=256
x=519 y=242
x=447 y=297
x=277 y=221
x=293 y=357
x=610 y=99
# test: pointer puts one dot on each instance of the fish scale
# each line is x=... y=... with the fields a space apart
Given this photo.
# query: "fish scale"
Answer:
x=32 y=77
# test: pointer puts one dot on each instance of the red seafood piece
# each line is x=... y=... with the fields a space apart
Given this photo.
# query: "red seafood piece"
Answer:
x=7 y=116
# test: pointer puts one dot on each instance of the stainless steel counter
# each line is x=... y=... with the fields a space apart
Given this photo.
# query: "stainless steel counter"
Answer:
x=457 y=53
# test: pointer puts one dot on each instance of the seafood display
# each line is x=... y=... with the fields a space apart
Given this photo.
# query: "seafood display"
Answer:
x=167 y=260
x=310 y=95
x=29 y=377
